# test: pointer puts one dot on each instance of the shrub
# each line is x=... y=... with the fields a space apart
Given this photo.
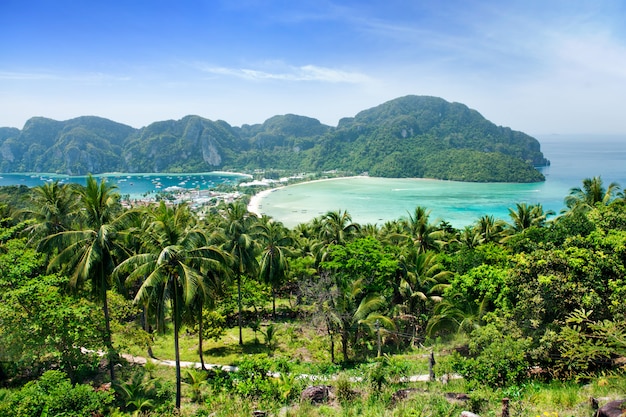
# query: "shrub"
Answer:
x=496 y=359
x=252 y=379
x=53 y=394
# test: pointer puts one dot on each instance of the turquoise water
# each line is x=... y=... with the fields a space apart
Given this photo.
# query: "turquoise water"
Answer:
x=376 y=200
x=133 y=185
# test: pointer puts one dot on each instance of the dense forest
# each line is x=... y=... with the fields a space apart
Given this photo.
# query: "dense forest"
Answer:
x=412 y=137
x=538 y=299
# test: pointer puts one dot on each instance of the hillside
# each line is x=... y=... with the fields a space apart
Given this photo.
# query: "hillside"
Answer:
x=412 y=136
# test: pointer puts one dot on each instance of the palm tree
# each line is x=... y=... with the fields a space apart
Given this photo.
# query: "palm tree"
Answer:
x=349 y=309
x=175 y=260
x=456 y=313
x=489 y=229
x=55 y=206
x=337 y=227
x=275 y=240
x=423 y=280
x=526 y=215
x=591 y=193
x=417 y=228
x=237 y=224
x=90 y=254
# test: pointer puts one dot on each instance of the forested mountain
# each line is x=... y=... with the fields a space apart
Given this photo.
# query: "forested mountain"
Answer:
x=412 y=136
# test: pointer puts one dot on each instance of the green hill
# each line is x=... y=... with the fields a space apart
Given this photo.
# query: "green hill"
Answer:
x=412 y=136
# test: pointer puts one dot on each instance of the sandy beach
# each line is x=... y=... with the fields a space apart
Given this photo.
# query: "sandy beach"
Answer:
x=255 y=205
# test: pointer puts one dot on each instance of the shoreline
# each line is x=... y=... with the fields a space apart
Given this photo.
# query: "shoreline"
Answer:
x=255 y=207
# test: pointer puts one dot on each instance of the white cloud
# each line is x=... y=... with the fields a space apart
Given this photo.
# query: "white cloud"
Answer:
x=293 y=73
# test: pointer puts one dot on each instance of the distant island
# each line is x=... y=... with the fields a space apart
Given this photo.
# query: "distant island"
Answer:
x=408 y=137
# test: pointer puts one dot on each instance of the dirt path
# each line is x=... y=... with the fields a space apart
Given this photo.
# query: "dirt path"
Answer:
x=140 y=360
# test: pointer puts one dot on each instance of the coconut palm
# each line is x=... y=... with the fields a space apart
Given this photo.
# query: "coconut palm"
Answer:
x=423 y=235
x=457 y=314
x=237 y=225
x=526 y=215
x=175 y=262
x=591 y=193
x=275 y=241
x=337 y=227
x=348 y=308
x=489 y=229
x=423 y=281
x=54 y=207
x=91 y=253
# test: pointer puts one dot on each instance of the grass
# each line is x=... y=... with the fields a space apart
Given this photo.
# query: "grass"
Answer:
x=305 y=350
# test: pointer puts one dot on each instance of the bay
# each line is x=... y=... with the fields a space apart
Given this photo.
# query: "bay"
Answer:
x=135 y=186
x=377 y=200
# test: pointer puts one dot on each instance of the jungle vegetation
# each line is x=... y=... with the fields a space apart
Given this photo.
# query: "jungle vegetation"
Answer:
x=511 y=306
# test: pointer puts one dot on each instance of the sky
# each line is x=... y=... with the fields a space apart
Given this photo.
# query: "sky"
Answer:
x=537 y=66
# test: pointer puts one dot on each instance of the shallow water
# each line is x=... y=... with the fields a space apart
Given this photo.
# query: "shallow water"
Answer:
x=377 y=200
x=134 y=185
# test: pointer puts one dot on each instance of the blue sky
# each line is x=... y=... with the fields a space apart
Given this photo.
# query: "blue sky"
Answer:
x=539 y=66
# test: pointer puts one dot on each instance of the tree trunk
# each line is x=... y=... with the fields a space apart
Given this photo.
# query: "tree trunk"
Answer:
x=107 y=325
x=273 y=303
x=200 y=349
x=146 y=328
x=239 y=303
x=176 y=347
x=345 y=336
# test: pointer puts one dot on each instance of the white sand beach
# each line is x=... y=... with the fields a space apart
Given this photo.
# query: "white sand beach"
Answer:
x=254 y=206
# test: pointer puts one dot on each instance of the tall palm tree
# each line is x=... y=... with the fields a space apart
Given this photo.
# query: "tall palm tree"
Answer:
x=91 y=253
x=175 y=262
x=54 y=207
x=237 y=225
x=591 y=193
x=424 y=235
x=337 y=227
x=275 y=241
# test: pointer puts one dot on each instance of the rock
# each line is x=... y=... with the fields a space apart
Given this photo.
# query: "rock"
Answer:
x=403 y=394
x=316 y=394
x=613 y=409
x=454 y=397
x=468 y=414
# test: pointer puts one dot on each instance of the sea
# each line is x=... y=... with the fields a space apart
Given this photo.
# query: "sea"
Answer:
x=134 y=186
x=377 y=200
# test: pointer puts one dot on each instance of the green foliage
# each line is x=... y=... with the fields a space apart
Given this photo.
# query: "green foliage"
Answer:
x=587 y=346
x=496 y=359
x=478 y=166
x=140 y=392
x=196 y=380
x=40 y=323
x=252 y=379
x=483 y=283
x=365 y=259
x=214 y=324
x=270 y=335
x=343 y=388
x=53 y=394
